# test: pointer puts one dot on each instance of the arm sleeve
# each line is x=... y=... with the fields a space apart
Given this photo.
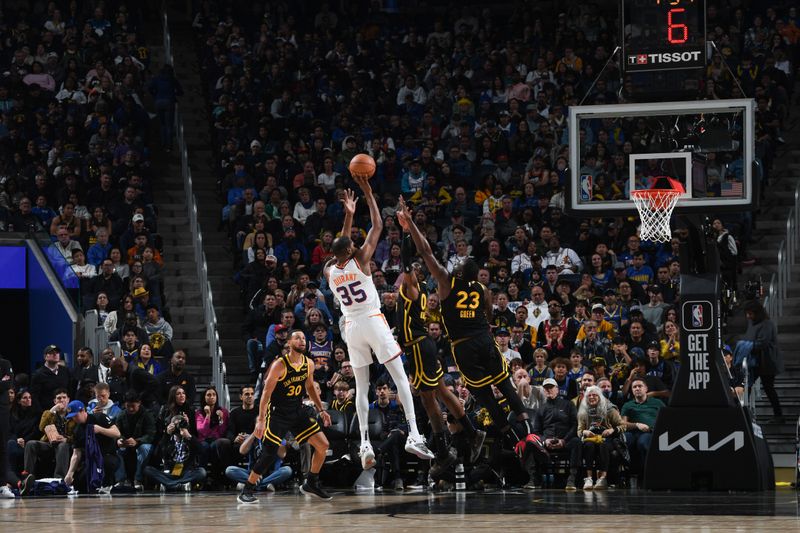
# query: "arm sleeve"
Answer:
x=407 y=252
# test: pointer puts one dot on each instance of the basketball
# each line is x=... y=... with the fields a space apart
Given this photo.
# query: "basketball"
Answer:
x=362 y=165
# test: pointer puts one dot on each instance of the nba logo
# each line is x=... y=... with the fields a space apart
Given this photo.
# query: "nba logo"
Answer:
x=586 y=188
x=697 y=316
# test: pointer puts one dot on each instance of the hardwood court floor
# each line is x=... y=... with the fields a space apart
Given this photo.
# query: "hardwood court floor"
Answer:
x=419 y=512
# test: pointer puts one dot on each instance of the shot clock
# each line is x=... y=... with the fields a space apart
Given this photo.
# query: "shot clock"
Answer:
x=663 y=35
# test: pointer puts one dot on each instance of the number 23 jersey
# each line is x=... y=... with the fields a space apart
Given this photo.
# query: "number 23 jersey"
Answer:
x=464 y=310
x=354 y=290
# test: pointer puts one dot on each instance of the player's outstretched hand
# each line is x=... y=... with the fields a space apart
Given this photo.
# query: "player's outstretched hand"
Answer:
x=349 y=202
x=326 y=418
x=363 y=182
x=403 y=214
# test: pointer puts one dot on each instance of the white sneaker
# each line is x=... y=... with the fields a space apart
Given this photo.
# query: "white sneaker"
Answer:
x=367 y=455
x=104 y=490
x=6 y=494
x=270 y=487
x=601 y=484
x=587 y=483
x=187 y=487
x=239 y=486
x=418 y=447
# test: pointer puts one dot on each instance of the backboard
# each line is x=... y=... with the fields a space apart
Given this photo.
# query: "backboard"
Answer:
x=708 y=146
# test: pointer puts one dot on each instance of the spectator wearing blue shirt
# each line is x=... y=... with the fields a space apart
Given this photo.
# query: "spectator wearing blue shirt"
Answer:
x=413 y=178
x=288 y=245
x=310 y=301
x=99 y=250
x=639 y=271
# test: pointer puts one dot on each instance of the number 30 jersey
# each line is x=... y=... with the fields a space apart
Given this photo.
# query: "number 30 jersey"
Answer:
x=354 y=290
x=464 y=310
x=291 y=386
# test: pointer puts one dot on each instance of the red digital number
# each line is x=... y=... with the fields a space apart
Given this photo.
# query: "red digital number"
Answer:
x=676 y=33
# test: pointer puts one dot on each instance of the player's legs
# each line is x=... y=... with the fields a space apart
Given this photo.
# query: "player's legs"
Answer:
x=362 y=412
x=320 y=444
x=415 y=443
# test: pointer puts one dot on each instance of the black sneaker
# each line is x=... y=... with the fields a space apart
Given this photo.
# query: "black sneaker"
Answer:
x=440 y=465
x=247 y=496
x=310 y=488
x=476 y=445
x=27 y=485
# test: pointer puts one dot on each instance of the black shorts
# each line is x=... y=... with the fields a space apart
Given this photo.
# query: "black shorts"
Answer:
x=480 y=361
x=423 y=364
x=281 y=420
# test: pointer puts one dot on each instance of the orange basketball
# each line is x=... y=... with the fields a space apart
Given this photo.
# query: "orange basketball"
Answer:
x=362 y=166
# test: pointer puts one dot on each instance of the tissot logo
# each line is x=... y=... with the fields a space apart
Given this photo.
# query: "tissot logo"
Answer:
x=697 y=441
x=664 y=58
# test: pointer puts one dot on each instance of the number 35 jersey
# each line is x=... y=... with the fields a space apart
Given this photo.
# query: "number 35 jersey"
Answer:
x=464 y=309
x=354 y=290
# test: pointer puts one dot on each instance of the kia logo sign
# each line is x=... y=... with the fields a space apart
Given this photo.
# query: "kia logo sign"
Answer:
x=697 y=441
x=697 y=315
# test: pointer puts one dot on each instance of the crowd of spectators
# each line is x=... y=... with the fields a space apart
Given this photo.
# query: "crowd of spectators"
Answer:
x=76 y=156
x=465 y=112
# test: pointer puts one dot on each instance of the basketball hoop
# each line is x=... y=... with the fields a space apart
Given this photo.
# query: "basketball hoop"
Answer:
x=655 y=209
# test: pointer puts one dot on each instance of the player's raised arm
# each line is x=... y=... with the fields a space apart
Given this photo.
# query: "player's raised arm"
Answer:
x=349 y=203
x=438 y=272
x=409 y=275
x=364 y=254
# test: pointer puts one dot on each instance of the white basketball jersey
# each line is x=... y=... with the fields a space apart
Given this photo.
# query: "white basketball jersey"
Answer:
x=354 y=290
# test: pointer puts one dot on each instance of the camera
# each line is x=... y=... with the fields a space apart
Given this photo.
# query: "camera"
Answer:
x=179 y=422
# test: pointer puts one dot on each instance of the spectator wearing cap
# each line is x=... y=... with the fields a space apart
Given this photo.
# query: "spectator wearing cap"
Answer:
x=653 y=312
x=556 y=422
x=565 y=297
x=137 y=429
x=503 y=338
x=413 y=178
x=613 y=312
x=290 y=243
x=310 y=301
x=659 y=367
x=605 y=327
x=49 y=378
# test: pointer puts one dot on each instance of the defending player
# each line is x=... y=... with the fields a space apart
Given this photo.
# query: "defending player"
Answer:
x=281 y=410
x=466 y=304
x=424 y=365
x=365 y=327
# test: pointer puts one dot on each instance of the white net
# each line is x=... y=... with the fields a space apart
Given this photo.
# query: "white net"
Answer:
x=655 y=209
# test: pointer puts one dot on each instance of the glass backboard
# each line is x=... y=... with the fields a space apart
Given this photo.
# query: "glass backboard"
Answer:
x=706 y=145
